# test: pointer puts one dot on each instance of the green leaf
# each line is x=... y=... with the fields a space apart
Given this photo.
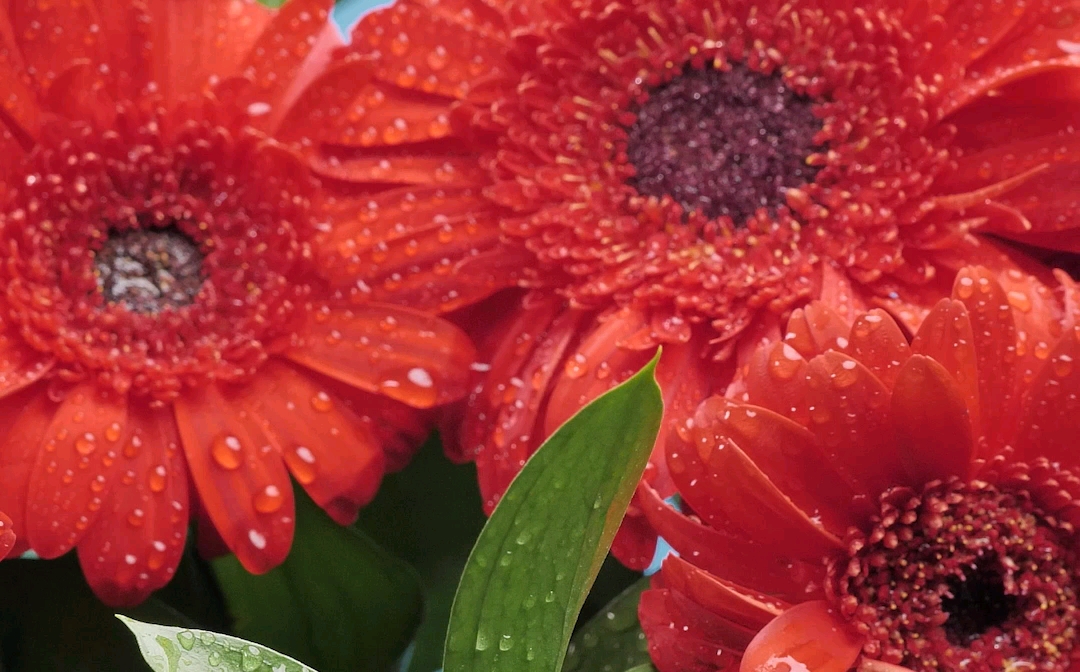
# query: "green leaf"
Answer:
x=611 y=640
x=647 y=667
x=536 y=558
x=429 y=514
x=170 y=649
x=51 y=622
x=338 y=601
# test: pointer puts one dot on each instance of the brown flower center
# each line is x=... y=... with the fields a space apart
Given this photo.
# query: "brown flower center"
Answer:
x=147 y=270
x=725 y=143
x=965 y=576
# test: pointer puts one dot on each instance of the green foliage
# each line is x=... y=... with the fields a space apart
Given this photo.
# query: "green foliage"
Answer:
x=171 y=649
x=536 y=558
x=428 y=514
x=338 y=601
x=611 y=640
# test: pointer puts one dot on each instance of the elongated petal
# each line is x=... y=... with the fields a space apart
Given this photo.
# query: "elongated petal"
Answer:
x=135 y=547
x=75 y=467
x=791 y=457
x=994 y=332
x=933 y=425
x=25 y=417
x=192 y=40
x=877 y=342
x=734 y=603
x=849 y=414
x=776 y=379
x=743 y=560
x=19 y=365
x=685 y=637
x=241 y=480
x=809 y=636
x=946 y=336
x=334 y=456
x=407 y=355
x=816 y=329
x=1051 y=405
x=727 y=489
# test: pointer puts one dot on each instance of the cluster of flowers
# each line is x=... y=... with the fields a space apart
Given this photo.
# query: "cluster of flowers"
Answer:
x=233 y=249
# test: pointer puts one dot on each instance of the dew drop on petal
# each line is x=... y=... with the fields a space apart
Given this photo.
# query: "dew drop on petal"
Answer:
x=301 y=463
x=268 y=500
x=85 y=444
x=322 y=402
x=257 y=540
x=225 y=449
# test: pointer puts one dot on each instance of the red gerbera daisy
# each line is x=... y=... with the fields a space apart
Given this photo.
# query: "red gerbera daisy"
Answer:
x=687 y=172
x=163 y=316
x=910 y=504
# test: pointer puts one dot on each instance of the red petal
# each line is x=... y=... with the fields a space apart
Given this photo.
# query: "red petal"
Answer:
x=776 y=379
x=319 y=105
x=994 y=333
x=399 y=247
x=849 y=414
x=514 y=427
x=411 y=356
x=25 y=416
x=240 y=478
x=634 y=545
x=135 y=546
x=74 y=469
x=946 y=337
x=53 y=35
x=685 y=637
x=290 y=53
x=741 y=560
x=816 y=329
x=596 y=366
x=809 y=636
x=728 y=490
x=7 y=536
x=739 y=605
x=21 y=103
x=327 y=448
x=19 y=365
x=789 y=455
x=411 y=37
x=877 y=342
x=194 y=40
x=1051 y=406
x=424 y=166
x=933 y=427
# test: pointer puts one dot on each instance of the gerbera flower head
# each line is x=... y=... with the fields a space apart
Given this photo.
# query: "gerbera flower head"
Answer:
x=688 y=173
x=164 y=319
x=877 y=503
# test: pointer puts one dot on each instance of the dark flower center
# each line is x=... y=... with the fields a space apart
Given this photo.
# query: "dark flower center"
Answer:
x=977 y=602
x=148 y=270
x=725 y=143
x=964 y=576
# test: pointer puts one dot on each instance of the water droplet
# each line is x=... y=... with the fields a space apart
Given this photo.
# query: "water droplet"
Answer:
x=301 y=463
x=420 y=377
x=482 y=642
x=214 y=658
x=186 y=638
x=268 y=500
x=257 y=539
x=250 y=659
x=322 y=402
x=85 y=444
x=112 y=432
x=157 y=478
x=225 y=449
x=132 y=448
x=576 y=366
x=136 y=518
x=506 y=642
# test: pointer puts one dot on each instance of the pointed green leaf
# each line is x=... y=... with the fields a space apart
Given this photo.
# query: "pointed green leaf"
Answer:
x=169 y=649
x=338 y=601
x=611 y=640
x=536 y=558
